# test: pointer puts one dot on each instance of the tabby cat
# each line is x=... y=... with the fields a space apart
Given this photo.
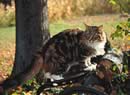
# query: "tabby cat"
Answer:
x=61 y=53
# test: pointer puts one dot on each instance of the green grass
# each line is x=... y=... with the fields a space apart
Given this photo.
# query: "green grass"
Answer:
x=7 y=36
x=7 y=33
x=59 y=26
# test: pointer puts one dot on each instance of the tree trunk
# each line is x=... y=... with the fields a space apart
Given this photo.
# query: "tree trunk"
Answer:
x=31 y=31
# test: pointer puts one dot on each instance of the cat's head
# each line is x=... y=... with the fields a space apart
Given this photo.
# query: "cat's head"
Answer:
x=95 y=33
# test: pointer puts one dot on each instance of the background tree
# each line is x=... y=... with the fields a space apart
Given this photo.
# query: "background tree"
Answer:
x=31 y=31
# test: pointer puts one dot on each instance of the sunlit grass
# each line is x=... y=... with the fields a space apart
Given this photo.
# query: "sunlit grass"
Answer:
x=7 y=34
x=7 y=37
x=59 y=26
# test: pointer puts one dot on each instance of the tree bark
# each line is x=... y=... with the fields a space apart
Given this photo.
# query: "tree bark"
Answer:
x=31 y=31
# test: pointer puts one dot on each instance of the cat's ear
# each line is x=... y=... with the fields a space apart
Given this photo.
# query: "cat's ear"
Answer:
x=100 y=27
x=86 y=26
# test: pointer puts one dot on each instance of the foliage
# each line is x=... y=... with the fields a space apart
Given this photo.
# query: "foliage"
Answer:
x=59 y=9
x=62 y=9
x=123 y=4
x=122 y=29
x=122 y=32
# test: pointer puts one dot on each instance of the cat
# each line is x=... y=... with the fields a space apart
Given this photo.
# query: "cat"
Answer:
x=70 y=47
x=61 y=53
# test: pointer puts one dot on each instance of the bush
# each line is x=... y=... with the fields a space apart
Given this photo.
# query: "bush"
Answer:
x=123 y=33
x=59 y=9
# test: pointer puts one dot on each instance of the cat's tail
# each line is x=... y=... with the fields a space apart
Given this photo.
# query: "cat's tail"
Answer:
x=30 y=72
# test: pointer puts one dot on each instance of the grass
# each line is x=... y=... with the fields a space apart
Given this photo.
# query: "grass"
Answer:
x=7 y=37
x=59 y=26
x=7 y=34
